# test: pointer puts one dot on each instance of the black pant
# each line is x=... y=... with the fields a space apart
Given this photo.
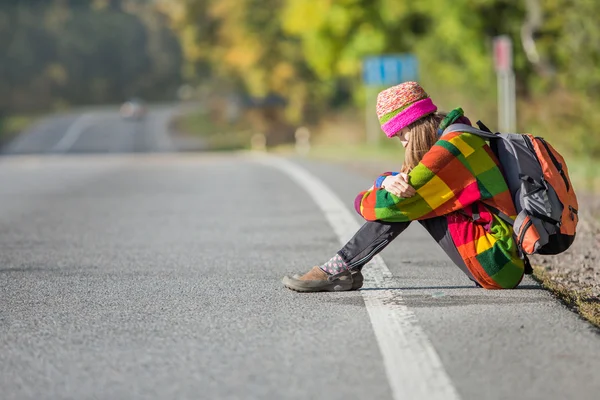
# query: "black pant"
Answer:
x=374 y=236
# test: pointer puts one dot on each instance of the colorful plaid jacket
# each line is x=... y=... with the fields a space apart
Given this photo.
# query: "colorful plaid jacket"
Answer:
x=459 y=178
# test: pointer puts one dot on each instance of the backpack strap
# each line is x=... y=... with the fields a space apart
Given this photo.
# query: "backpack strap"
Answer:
x=482 y=126
x=528 y=267
x=500 y=214
x=469 y=129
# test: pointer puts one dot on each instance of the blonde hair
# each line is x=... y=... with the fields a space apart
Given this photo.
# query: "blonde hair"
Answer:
x=423 y=135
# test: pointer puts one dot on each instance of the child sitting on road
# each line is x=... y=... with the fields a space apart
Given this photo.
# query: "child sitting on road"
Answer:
x=451 y=184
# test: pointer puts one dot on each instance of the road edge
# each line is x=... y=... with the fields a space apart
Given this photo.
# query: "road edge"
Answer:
x=579 y=301
x=413 y=366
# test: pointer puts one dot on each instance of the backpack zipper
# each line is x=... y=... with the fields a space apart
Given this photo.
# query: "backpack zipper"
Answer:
x=573 y=212
x=558 y=165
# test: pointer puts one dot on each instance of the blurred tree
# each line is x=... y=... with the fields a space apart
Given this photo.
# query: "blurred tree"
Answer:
x=311 y=50
x=61 y=52
x=239 y=45
x=569 y=38
x=308 y=51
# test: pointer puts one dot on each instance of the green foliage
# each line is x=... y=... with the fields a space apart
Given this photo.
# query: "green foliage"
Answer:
x=213 y=135
x=308 y=51
x=571 y=41
x=54 y=53
x=11 y=126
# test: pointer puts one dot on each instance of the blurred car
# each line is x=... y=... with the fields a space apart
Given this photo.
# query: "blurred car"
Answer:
x=133 y=109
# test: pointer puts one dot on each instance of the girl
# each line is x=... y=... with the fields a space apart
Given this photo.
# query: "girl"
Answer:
x=451 y=184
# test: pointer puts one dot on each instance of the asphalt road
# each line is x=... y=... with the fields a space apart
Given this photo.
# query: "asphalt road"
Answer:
x=156 y=275
x=97 y=130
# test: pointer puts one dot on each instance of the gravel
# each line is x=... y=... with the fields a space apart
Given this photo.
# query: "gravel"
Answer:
x=577 y=268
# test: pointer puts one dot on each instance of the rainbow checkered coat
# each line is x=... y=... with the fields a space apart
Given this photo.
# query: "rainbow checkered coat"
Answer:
x=459 y=177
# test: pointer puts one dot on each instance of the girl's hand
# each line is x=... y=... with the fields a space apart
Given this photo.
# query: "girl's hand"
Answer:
x=398 y=186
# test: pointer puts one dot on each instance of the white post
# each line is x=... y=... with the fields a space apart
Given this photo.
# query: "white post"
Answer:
x=258 y=142
x=302 y=136
x=507 y=111
x=512 y=103
x=501 y=102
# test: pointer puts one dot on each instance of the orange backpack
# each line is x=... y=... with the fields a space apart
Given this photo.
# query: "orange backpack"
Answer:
x=538 y=180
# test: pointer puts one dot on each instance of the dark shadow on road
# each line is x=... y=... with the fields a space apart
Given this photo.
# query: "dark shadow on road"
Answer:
x=536 y=287
x=459 y=301
x=439 y=298
x=428 y=301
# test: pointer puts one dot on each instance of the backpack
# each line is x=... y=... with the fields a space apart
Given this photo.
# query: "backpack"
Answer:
x=539 y=183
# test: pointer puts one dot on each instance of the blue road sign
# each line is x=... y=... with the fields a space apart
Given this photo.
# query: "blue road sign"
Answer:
x=390 y=69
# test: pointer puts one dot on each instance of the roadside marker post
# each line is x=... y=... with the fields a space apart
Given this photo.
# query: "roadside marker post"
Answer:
x=503 y=63
x=381 y=71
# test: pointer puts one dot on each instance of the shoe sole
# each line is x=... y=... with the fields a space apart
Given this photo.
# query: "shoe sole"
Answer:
x=357 y=279
x=357 y=282
x=304 y=287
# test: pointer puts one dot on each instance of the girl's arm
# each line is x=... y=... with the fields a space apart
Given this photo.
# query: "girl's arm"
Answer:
x=433 y=197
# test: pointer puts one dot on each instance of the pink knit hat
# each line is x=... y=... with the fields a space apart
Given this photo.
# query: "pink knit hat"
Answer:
x=401 y=105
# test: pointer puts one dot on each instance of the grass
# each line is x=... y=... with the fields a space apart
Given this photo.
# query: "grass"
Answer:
x=346 y=152
x=584 y=173
x=340 y=138
x=216 y=136
x=14 y=124
x=581 y=301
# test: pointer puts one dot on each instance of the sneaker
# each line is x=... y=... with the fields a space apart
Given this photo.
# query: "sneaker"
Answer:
x=357 y=279
x=317 y=280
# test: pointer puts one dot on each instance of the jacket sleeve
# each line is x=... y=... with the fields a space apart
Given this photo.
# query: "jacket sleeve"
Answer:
x=434 y=196
x=381 y=178
x=379 y=204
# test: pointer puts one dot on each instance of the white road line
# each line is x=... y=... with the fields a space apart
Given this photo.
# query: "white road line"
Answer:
x=73 y=133
x=413 y=367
